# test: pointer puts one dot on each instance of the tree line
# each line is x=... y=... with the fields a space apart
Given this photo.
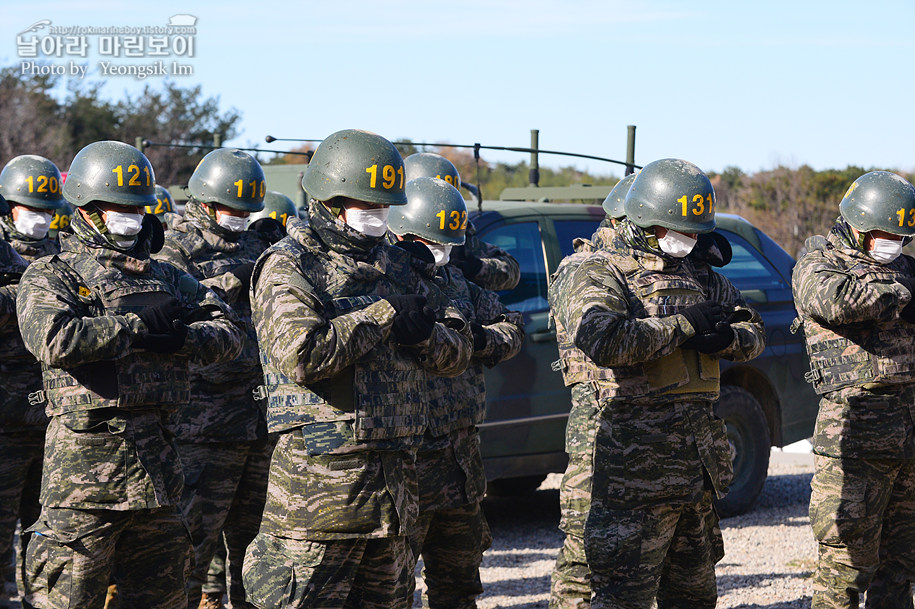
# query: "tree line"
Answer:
x=787 y=203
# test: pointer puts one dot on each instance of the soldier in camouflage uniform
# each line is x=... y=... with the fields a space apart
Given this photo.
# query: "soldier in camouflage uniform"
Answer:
x=485 y=264
x=641 y=328
x=347 y=332
x=571 y=579
x=113 y=330
x=222 y=436
x=32 y=185
x=452 y=533
x=854 y=294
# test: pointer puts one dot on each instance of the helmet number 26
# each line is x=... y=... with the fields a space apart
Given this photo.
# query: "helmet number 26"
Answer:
x=698 y=207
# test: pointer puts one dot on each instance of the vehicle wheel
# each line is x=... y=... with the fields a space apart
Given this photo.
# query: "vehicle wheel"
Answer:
x=514 y=487
x=748 y=436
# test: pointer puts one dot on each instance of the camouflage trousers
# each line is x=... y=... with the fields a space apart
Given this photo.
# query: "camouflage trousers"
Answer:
x=863 y=516
x=74 y=555
x=216 y=573
x=664 y=553
x=21 y=456
x=570 y=587
x=284 y=573
x=451 y=532
x=224 y=493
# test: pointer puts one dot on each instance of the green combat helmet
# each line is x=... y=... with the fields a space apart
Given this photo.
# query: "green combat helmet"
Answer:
x=435 y=211
x=61 y=220
x=229 y=177
x=164 y=203
x=31 y=180
x=431 y=165
x=357 y=164
x=277 y=206
x=113 y=172
x=880 y=200
x=674 y=194
x=613 y=204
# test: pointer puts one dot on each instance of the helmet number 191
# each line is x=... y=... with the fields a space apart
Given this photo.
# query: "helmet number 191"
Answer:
x=388 y=176
x=698 y=205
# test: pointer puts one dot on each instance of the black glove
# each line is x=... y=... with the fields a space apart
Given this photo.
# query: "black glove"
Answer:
x=469 y=264
x=164 y=343
x=404 y=303
x=713 y=249
x=268 y=228
x=908 y=312
x=414 y=326
x=479 y=336
x=158 y=318
x=703 y=316
x=712 y=341
x=243 y=273
x=417 y=250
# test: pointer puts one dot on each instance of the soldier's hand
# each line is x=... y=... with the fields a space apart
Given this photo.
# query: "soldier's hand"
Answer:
x=469 y=264
x=713 y=341
x=169 y=342
x=404 y=303
x=243 y=273
x=908 y=312
x=414 y=326
x=417 y=250
x=268 y=228
x=479 y=336
x=158 y=318
x=704 y=315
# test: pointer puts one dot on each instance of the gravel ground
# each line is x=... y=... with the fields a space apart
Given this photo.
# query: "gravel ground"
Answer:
x=770 y=552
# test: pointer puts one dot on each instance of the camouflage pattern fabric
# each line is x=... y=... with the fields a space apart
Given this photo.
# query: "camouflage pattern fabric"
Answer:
x=107 y=453
x=215 y=584
x=862 y=513
x=28 y=248
x=75 y=553
x=21 y=455
x=348 y=573
x=861 y=506
x=657 y=442
x=663 y=553
x=222 y=434
x=224 y=493
x=347 y=401
x=500 y=271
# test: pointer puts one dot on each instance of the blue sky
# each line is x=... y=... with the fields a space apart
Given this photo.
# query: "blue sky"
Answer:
x=750 y=84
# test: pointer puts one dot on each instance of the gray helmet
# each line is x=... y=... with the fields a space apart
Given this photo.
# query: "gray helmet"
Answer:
x=164 y=203
x=229 y=177
x=113 y=172
x=61 y=220
x=435 y=211
x=674 y=194
x=431 y=165
x=880 y=200
x=31 y=180
x=277 y=206
x=357 y=164
x=613 y=204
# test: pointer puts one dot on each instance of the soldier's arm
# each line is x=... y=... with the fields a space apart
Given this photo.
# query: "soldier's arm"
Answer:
x=57 y=324
x=749 y=336
x=504 y=329
x=215 y=333
x=298 y=337
x=834 y=296
x=8 y=304
x=500 y=271
x=448 y=350
x=599 y=322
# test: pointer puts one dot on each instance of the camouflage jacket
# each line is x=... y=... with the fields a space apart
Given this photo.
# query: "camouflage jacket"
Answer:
x=106 y=445
x=21 y=372
x=500 y=271
x=222 y=408
x=862 y=354
x=28 y=248
x=348 y=396
x=619 y=332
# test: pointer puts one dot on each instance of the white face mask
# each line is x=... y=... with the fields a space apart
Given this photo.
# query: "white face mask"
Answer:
x=885 y=250
x=236 y=224
x=676 y=244
x=33 y=224
x=372 y=222
x=122 y=224
x=442 y=253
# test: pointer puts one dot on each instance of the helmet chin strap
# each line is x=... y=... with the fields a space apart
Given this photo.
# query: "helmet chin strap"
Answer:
x=94 y=216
